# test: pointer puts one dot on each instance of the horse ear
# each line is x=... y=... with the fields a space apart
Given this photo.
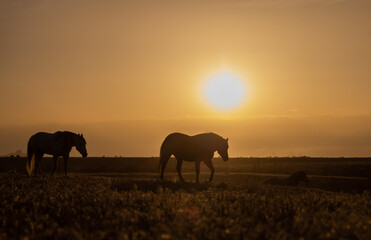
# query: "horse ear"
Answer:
x=227 y=139
x=82 y=135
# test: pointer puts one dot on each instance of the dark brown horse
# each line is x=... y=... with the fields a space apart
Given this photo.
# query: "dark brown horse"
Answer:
x=293 y=180
x=57 y=144
x=198 y=148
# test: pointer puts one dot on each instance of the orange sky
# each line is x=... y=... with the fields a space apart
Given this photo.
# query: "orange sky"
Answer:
x=127 y=73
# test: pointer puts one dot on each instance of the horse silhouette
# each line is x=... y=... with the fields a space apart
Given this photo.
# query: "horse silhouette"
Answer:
x=293 y=180
x=56 y=144
x=196 y=149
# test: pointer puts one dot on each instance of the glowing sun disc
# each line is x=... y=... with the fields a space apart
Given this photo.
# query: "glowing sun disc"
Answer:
x=224 y=91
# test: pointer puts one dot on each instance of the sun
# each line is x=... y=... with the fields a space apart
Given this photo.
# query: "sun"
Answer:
x=224 y=91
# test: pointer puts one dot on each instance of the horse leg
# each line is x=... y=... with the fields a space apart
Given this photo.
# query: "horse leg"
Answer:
x=197 y=164
x=65 y=164
x=55 y=158
x=209 y=164
x=179 y=168
x=38 y=158
x=163 y=162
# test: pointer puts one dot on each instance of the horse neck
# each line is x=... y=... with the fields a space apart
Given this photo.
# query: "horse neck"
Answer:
x=73 y=141
x=218 y=144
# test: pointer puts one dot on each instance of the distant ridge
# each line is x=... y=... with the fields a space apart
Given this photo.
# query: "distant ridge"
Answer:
x=18 y=153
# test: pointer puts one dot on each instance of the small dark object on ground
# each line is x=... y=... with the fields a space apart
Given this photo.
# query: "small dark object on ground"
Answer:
x=293 y=180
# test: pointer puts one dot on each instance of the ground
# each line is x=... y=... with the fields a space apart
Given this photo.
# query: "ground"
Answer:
x=139 y=206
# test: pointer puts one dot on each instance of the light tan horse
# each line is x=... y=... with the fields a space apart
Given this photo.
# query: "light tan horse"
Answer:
x=198 y=148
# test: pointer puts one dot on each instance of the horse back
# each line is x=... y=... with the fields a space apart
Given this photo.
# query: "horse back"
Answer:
x=41 y=136
x=178 y=141
x=180 y=145
x=49 y=143
x=41 y=142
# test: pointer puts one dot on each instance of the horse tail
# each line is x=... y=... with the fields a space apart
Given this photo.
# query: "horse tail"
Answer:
x=30 y=165
x=161 y=157
x=164 y=157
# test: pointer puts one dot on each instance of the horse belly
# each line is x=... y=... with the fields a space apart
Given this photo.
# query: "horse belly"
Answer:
x=181 y=146
x=46 y=145
x=189 y=158
x=43 y=147
x=185 y=156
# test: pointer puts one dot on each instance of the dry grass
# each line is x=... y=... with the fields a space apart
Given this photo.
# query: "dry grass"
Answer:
x=104 y=207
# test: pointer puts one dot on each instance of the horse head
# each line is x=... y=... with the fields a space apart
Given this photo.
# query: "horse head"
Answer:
x=223 y=148
x=80 y=144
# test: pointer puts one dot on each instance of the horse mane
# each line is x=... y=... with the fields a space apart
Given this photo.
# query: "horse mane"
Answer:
x=58 y=135
x=219 y=138
x=211 y=139
x=67 y=134
x=216 y=135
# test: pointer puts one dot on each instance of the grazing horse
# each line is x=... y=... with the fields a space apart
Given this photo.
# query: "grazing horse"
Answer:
x=293 y=180
x=196 y=149
x=56 y=144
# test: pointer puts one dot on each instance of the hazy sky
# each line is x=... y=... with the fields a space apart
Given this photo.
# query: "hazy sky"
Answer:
x=127 y=73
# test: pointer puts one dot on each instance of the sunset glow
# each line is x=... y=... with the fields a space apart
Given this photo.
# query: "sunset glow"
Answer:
x=278 y=77
x=214 y=119
x=224 y=91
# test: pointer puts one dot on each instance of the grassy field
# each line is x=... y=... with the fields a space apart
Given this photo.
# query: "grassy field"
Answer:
x=352 y=167
x=237 y=205
x=133 y=207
